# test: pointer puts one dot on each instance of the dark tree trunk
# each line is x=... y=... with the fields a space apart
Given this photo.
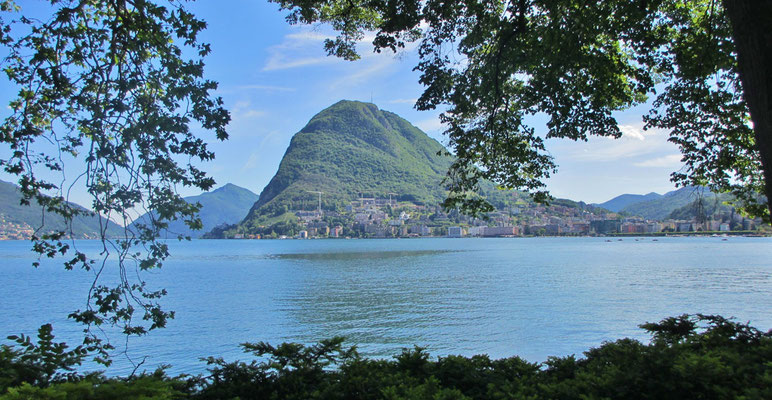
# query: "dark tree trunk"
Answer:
x=752 y=30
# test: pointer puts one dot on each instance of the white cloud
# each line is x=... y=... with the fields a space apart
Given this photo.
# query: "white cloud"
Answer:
x=367 y=70
x=298 y=49
x=310 y=36
x=430 y=125
x=635 y=142
x=264 y=150
x=629 y=131
x=252 y=162
x=266 y=88
x=305 y=48
x=280 y=61
x=243 y=110
x=672 y=161
x=403 y=101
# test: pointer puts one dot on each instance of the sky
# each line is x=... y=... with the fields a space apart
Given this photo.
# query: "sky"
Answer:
x=274 y=77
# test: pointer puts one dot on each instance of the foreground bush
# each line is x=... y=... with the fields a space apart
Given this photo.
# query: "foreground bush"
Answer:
x=689 y=357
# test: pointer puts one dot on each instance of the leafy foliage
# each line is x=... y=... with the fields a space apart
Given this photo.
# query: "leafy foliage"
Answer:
x=108 y=83
x=689 y=356
x=41 y=363
x=495 y=63
x=47 y=370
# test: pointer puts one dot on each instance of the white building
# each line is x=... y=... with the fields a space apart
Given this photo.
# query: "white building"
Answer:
x=455 y=231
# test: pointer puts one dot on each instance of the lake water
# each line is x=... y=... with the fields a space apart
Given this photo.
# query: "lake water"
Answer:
x=532 y=297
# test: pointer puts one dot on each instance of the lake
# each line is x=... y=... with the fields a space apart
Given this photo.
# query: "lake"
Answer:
x=532 y=297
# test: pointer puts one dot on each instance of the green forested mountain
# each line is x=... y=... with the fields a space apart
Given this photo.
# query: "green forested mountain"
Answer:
x=625 y=200
x=225 y=205
x=709 y=207
x=19 y=221
x=353 y=148
x=661 y=208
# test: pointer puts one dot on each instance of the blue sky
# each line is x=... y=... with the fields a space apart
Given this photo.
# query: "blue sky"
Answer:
x=274 y=77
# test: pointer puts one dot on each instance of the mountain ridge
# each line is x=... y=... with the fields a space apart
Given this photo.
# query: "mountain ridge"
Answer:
x=20 y=221
x=227 y=204
x=617 y=203
x=662 y=207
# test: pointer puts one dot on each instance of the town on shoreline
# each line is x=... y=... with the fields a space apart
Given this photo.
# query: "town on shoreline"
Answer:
x=386 y=218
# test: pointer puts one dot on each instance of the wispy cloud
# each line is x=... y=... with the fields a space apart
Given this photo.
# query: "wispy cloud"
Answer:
x=671 y=161
x=243 y=110
x=369 y=69
x=634 y=143
x=266 y=88
x=637 y=132
x=308 y=36
x=298 y=49
x=258 y=156
x=403 y=101
x=430 y=124
x=282 y=61
x=252 y=162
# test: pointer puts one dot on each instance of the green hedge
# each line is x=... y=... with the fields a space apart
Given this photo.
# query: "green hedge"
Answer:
x=689 y=357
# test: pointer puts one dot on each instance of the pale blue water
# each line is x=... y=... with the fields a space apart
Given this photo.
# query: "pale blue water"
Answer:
x=528 y=297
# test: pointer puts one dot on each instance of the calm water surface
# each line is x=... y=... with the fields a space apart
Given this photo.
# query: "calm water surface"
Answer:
x=528 y=297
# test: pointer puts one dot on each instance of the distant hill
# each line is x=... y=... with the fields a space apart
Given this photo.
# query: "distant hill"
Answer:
x=352 y=149
x=661 y=208
x=711 y=205
x=618 y=203
x=19 y=221
x=228 y=204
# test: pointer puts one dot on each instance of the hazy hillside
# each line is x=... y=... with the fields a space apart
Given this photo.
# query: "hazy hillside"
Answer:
x=228 y=204
x=710 y=206
x=661 y=208
x=618 y=203
x=18 y=218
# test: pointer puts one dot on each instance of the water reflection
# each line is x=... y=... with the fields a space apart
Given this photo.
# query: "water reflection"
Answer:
x=359 y=255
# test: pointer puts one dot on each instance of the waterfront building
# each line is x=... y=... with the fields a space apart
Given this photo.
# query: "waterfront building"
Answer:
x=455 y=231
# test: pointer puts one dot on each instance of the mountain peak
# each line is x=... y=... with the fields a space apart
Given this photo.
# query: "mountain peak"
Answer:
x=351 y=148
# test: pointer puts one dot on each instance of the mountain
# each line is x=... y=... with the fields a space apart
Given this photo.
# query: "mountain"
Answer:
x=661 y=208
x=20 y=221
x=618 y=203
x=225 y=205
x=352 y=149
x=710 y=206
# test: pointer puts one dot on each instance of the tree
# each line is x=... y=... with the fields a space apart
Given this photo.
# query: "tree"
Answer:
x=494 y=63
x=109 y=83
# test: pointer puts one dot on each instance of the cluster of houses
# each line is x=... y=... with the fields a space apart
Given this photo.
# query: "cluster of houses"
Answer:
x=382 y=218
x=13 y=230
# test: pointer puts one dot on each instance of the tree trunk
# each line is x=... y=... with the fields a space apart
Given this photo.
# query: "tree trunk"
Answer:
x=752 y=32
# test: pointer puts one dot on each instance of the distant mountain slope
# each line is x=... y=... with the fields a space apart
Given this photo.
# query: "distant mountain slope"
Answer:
x=710 y=206
x=618 y=203
x=228 y=204
x=661 y=208
x=18 y=221
x=353 y=148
